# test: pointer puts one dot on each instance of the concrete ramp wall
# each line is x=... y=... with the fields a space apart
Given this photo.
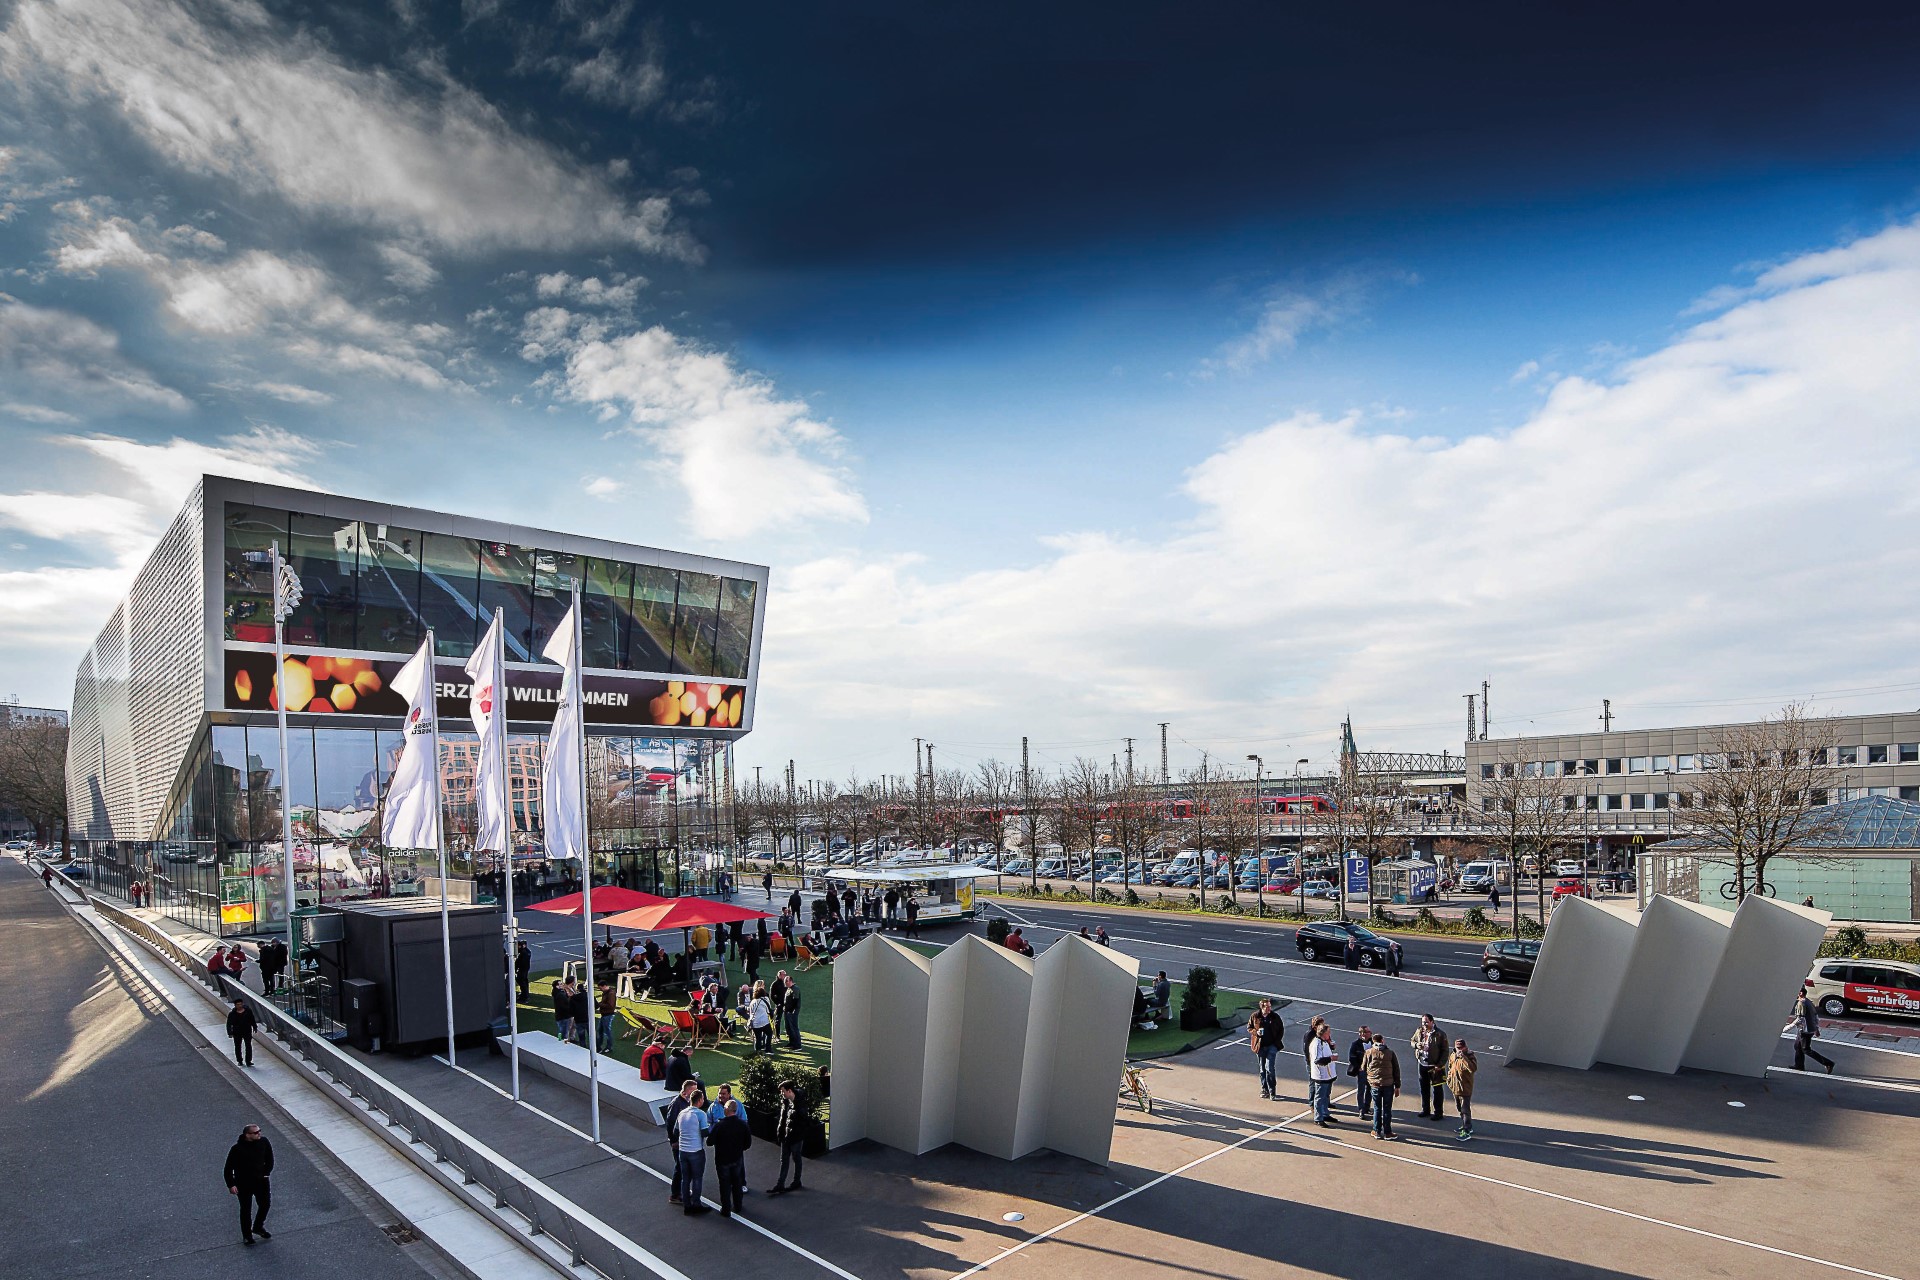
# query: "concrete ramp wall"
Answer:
x=1046 y=1036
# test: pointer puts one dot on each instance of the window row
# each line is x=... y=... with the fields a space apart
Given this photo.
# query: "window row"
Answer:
x=1883 y=753
x=1649 y=801
x=380 y=587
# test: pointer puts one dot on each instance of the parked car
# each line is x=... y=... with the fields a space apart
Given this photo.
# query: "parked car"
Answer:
x=1188 y=881
x=77 y=871
x=1569 y=867
x=1288 y=885
x=1880 y=986
x=1509 y=961
x=1321 y=889
x=1571 y=889
x=1327 y=940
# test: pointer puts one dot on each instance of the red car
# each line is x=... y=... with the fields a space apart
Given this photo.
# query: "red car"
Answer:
x=1571 y=888
x=1284 y=886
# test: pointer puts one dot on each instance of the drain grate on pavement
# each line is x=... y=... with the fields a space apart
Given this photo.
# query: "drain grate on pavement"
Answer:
x=400 y=1233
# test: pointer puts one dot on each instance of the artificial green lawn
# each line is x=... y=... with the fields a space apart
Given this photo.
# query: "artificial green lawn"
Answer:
x=717 y=1066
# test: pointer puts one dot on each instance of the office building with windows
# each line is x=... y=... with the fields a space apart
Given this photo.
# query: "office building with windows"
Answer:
x=1632 y=789
x=173 y=770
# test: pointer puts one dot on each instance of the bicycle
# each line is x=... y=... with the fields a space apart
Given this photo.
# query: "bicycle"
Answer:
x=1133 y=1081
x=1731 y=891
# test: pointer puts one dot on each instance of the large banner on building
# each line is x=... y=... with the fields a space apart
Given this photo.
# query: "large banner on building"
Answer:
x=327 y=684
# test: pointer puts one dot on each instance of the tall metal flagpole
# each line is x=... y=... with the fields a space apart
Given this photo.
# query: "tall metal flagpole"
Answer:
x=286 y=595
x=586 y=873
x=500 y=702
x=440 y=834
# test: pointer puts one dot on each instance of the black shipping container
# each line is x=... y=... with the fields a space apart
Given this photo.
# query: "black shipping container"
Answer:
x=396 y=944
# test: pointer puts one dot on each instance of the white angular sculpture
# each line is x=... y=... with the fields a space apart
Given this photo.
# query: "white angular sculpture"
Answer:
x=1041 y=1032
x=1768 y=954
x=1677 y=985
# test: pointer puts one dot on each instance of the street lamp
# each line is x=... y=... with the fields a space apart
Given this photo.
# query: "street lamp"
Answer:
x=1296 y=765
x=1259 y=839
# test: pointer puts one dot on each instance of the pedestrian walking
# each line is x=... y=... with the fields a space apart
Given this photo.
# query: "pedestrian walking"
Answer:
x=730 y=1137
x=1382 y=1070
x=892 y=903
x=1362 y=1088
x=766 y=882
x=562 y=996
x=522 y=968
x=1461 y=1066
x=1351 y=952
x=1806 y=1032
x=240 y=1025
x=273 y=963
x=913 y=915
x=247 y=1173
x=1393 y=960
x=754 y=947
x=1323 y=1055
x=1264 y=1030
x=790 y=1131
x=1493 y=895
x=1430 y=1053
x=790 y=1011
x=606 y=1005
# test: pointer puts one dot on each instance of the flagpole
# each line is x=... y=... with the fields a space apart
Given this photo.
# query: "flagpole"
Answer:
x=283 y=597
x=500 y=703
x=586 y=870
x=440 y=834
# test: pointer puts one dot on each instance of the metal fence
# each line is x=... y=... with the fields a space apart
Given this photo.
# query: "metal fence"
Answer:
x=585 y=1238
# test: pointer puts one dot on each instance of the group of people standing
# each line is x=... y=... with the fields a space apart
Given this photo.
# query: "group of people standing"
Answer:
x=1443 y=1067
x=693 y=1124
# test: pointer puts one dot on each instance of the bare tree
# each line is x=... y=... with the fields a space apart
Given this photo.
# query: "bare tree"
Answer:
x=995 y=791
x=1371 y=802
x=1529 y=814
x=1764 y=793
x=1079 y=797
x=33 y=775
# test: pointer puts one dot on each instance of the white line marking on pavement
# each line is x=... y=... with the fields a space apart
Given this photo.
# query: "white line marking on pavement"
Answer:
x=1097 y=1210
x=1602 y=1208
x=1313 y=1003
x=741 y=1218
x=1871 y=1084
x=1849 y=1044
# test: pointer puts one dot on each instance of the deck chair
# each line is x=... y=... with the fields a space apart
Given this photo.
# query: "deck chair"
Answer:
x=707 y=1025
x=687 y=1031
x=639 y=1027
x=777 y=946
x=807 y=958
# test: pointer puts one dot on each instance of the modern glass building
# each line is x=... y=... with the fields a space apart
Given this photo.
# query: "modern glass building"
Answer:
x=173 y=771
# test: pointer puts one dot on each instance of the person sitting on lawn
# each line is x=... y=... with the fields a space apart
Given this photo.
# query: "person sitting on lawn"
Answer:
x=653 y=1060
x=679 y=1069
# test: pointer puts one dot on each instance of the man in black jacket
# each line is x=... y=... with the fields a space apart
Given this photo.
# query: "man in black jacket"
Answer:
x=790 y=1010
x=679 y=1069
x=580 y=1007
x=790 y=1131
x=249 y=1165
x=240 y=1025
x=730 y=1139
x=1363 y=1091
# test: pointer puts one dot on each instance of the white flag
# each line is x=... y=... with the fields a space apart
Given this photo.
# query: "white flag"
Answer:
x=412 y=818
x=560 y=794
x=488 y=692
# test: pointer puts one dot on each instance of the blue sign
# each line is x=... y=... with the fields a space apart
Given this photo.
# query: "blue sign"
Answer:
x=1420 y=882
x=1357 y=873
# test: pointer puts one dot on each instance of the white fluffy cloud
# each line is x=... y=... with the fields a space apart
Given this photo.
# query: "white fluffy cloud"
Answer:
x=251 y=294
x=1731 y=516
x=745 y=458
x=76 y=364
x=110 y=518
x=225 y=90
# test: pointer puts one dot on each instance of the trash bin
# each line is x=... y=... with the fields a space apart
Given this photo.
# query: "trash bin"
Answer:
x=361 y=1003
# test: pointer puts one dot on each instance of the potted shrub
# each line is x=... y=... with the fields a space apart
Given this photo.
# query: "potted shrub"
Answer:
x=997 y=929
x=761 y=1076
x=1197 y=1011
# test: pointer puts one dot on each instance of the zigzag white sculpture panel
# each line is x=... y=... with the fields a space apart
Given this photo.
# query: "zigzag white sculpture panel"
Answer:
x=1677 y=985
x=900 y=1021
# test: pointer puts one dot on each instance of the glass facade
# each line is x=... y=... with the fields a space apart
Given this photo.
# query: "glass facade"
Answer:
x=662 y=821
x=379 y=587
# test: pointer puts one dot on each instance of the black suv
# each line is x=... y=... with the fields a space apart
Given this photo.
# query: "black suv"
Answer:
x=1509 y=961
x=1327 y=940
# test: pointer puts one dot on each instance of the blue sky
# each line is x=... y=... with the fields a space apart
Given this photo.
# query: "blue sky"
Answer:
x=1075 y=371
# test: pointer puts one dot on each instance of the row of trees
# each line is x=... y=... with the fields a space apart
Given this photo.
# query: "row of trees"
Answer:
x=33 y=775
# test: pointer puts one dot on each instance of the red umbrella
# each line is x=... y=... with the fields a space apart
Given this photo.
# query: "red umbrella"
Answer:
x=605 y=899
x=682 y=913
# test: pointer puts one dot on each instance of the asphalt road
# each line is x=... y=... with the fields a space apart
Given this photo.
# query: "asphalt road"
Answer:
x=116 y=1129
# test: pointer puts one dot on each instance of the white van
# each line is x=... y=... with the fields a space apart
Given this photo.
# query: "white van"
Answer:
x=1478 y=877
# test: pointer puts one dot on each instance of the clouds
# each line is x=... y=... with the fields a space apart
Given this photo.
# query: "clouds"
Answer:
x=1727 y=513
x=1286 y=315
x=744 y=458
x=224 y=91
x=252 y=294
x=67 y=362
